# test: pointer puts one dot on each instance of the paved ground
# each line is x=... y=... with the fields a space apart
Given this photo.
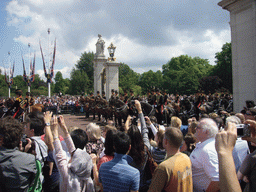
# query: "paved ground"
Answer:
x=79 y=121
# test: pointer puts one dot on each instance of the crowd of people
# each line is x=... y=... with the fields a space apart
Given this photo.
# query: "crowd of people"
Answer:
x=210 y=152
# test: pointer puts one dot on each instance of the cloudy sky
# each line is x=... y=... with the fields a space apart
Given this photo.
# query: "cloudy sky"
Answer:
x=147 y=33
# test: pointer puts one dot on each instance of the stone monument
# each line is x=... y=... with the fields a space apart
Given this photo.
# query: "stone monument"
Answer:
x=106 y=72
x=98 y=65
x=243 y=37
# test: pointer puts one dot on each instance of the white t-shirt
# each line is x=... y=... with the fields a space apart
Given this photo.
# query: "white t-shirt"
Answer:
x=205 y=165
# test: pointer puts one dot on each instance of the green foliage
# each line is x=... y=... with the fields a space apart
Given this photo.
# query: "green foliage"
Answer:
x=59 y=83
x=42 y=90
x=182 y=74
x=150 y=79
x=38 y=82
x=210 y=84
x=127 y=77
x=223 y=67
x=66 y=85
x=85 y=64
x=79 y=82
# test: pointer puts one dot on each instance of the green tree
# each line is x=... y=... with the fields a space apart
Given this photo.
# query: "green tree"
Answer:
x=85 y=63
x=210 y=84
x=128 y=79
x=38 y=82
x=150 y=79
x=3 y=86
x=223 y=67
x=79 y=82
x=66 y=85
x=182 y=74
x=59 y=83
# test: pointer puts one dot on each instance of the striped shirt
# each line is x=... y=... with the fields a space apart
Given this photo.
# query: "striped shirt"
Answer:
x=118 y=175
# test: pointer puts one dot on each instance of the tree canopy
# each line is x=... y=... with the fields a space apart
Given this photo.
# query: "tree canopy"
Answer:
x=85 y=63
x=182 y=74
x=128 y=79
x=223 y=67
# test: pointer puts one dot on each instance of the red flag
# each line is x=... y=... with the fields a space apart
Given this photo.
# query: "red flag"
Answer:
x=43 y=59
x=53 y=59
x=24 y=71
x=32 y=68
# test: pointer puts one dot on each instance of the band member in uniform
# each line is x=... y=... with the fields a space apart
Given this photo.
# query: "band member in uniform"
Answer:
x=98 y=97
x=159 y=107
x=18 y=105
x=112 y=94
x=116 y=94
x=131 y=96
x=92 y=95
x=104 y=95
x=29 y=101
x=153 y=97
x=125 y=97
x=149 y=96
x=165 y=97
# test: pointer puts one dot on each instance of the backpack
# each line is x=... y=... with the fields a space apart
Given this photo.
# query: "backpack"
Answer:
x=37 y=185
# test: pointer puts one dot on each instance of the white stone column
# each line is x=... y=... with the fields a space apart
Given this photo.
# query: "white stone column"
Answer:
x=112 y=75
x=98 y=69
x=243 y=38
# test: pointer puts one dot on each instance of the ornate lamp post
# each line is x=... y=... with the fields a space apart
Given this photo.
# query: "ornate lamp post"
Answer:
x=111 y=50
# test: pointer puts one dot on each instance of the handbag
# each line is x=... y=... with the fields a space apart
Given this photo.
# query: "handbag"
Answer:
x=151 y=164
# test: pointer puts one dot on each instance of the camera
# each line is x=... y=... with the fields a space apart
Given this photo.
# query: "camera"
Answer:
x=24 y=140
x=243 y=130
x=132 y=102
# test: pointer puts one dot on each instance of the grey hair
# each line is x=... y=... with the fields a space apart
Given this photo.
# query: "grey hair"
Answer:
x=208 y=124
x=233 y=119
x=93 y=131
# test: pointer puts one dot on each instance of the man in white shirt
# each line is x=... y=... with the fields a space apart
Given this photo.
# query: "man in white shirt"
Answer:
x=204 y=158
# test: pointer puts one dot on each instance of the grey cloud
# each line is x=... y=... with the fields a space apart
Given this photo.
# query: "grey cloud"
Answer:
x=145 y=21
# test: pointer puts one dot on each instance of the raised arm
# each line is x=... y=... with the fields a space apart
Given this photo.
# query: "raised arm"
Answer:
x=225 y=142
x=48 y=134
x=152 y=127
x=144 y=129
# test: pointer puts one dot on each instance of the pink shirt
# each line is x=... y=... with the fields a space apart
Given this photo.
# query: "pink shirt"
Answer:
x=62 y=162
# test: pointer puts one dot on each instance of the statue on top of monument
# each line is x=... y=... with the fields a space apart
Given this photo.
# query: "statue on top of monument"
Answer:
x=100 y=45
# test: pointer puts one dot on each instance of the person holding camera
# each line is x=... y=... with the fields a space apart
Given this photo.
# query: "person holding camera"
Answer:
x=18 y=169
x=247 y=171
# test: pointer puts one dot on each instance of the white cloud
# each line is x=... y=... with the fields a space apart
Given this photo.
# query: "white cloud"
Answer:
x=76 y=25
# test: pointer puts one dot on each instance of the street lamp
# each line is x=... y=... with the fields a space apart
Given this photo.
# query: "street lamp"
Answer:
x=111 y=50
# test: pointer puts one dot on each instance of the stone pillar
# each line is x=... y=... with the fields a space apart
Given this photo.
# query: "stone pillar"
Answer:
x=243 y=38
x=98 y=64
x=112 y=77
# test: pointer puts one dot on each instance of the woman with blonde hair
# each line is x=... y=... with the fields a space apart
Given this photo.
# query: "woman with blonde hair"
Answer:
x=95 y=145
x=176 y=122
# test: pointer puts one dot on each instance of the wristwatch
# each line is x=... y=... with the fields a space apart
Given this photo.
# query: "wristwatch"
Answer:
x=47 y=124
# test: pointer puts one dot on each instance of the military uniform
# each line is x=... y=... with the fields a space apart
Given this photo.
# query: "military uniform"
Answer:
x=98 y=97
x=132 y=97
x=126 y=98
x=18 y=105
x=153 y=99
x=29 y=101
x=165 y=99
x=159 y=108
x=103 y=95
